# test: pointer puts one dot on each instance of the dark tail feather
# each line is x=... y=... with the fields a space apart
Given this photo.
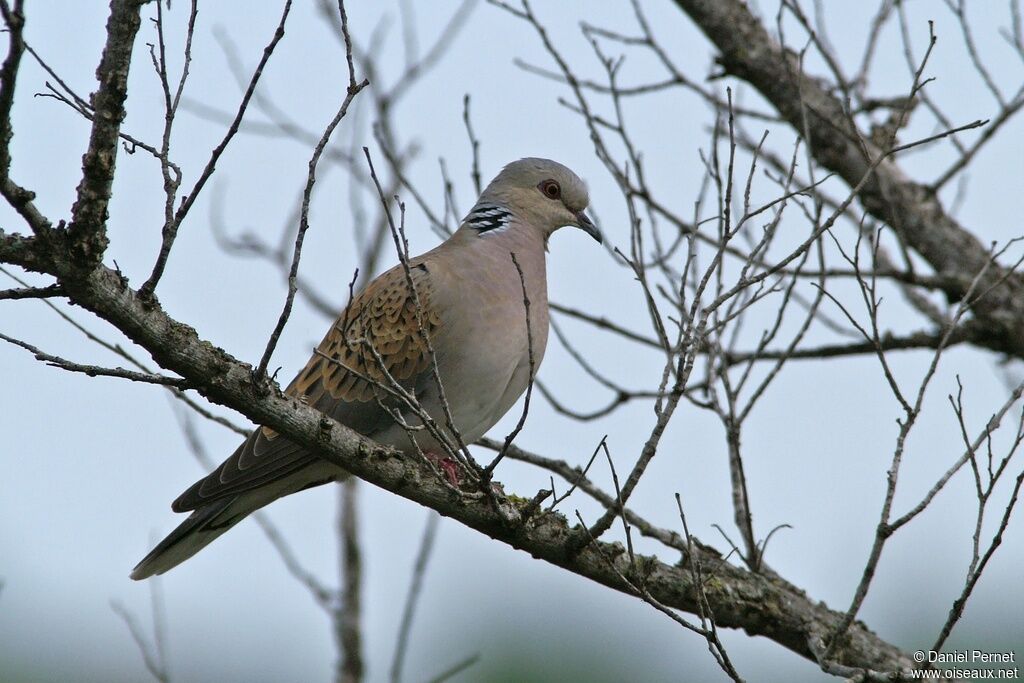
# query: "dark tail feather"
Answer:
x=191 y=536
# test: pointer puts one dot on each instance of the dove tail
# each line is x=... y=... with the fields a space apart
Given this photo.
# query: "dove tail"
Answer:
x=192 y=535
x=212 y=519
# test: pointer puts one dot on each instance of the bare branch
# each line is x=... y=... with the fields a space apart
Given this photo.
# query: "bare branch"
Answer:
x=489 y=470
x=748 y=52
x=348 y=613
x=96 y=370
x=412 y=597
x=353 y=90
x=171 y=226
x=47 y=292
x=87 y=230
x=455 y=669
x=152 y=654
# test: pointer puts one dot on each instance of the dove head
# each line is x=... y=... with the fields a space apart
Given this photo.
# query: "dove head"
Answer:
x=541 y=193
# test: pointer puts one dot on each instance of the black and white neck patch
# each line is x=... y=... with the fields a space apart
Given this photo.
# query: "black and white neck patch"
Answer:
x=488 y=218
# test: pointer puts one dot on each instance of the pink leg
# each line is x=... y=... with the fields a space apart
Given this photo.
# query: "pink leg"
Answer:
x=447 y=465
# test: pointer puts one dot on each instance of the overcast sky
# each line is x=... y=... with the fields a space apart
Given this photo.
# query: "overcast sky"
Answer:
x=91 y=465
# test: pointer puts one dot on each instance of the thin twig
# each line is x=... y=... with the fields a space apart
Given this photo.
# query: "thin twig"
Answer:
x=96 y=370
x=489 y=470
x=350 y=94
x=152 y=654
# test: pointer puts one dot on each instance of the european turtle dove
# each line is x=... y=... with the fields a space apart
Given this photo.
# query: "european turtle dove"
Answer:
x=471 y=305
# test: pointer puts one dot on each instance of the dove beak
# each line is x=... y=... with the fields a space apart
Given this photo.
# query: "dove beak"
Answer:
x=586 y=225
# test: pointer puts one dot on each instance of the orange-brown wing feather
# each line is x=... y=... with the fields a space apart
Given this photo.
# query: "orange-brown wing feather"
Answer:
x=376 y=337
x=377 y=333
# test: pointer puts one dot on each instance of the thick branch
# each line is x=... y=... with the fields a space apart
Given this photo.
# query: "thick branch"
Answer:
x=14 y=20
x=89 y=214
x=32 y=292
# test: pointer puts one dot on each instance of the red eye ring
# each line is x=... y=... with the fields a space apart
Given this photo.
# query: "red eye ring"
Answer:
x=550 y=189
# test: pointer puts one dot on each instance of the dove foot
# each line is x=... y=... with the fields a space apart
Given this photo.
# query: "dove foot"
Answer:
x=447 y=465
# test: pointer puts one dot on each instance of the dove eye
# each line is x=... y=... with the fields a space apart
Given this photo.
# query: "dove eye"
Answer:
x=551 y=189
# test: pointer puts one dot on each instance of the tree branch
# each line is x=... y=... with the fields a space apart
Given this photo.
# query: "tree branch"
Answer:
x=89 y=214
x=96 y=370
x=747 y=51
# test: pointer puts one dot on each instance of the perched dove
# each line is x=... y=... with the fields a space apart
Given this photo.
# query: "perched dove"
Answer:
x=471 y=304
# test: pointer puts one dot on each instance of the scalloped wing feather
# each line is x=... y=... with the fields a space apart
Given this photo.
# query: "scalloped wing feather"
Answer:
x=378 y=333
